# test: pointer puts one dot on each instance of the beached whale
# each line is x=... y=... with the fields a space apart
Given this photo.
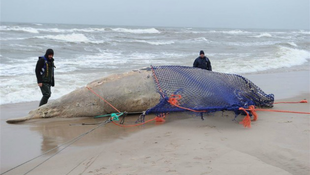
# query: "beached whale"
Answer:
x=133 y=91
x=158 y=90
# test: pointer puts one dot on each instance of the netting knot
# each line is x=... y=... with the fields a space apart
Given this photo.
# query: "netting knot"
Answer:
x=173 y=99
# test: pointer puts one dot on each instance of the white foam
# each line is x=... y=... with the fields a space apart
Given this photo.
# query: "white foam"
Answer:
x=248 y=44
x=17 y=69
x=155 y=42
x=53 y=30
x=90 y=30
x=284 y=57
x=263 y=35
x=8 y=39
x=305 y=32
x=136 y=31
x=25 y=89
x=57 y=30
x=19 y=29
x=74 y=37
x=201 y=39
x=292 y=44
x=28 y=66
x=232 y=32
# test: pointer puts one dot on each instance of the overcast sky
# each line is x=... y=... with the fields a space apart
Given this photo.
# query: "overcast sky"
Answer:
x=268 y=14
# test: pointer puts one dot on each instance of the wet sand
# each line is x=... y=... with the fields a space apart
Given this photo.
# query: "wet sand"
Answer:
x=277 y=143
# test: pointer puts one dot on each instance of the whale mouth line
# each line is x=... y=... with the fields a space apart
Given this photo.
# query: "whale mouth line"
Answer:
x=16 y=120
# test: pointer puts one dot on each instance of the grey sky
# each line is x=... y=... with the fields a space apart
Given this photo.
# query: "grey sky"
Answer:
x=269 y=14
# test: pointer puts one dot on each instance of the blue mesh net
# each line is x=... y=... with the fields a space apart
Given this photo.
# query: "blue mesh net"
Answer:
x=199 y=90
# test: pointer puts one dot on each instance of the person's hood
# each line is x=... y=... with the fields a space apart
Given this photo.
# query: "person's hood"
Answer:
x=49 y=52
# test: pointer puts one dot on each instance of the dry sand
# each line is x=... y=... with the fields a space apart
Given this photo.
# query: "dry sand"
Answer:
x=277 y=143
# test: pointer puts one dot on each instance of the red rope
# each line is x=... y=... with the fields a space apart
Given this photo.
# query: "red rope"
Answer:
x=272 y=110
x=157 y=119
x=103 y=99
x=301 y=101
x=173 y=100
x=247 y=121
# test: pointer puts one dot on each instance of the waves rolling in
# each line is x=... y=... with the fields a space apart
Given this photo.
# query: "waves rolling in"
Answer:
x=82 y=52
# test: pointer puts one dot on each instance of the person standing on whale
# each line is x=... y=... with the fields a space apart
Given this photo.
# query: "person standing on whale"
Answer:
x=45 y=75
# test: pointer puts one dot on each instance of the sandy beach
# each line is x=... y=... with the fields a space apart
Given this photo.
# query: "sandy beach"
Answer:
x=276 y=144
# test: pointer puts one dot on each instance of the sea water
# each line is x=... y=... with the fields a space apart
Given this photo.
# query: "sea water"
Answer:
x=84 y=53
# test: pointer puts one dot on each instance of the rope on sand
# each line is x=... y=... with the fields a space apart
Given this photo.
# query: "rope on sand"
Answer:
x=68 y=143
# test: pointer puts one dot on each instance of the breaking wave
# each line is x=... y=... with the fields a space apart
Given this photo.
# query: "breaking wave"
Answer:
x=155 y=42
x=284 y=58
x=74 y=38
x=136 y=31
x=19 y=29
x=263 y=35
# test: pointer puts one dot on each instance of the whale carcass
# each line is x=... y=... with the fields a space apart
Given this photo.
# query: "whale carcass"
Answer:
x=157 y=90
x=132 y=91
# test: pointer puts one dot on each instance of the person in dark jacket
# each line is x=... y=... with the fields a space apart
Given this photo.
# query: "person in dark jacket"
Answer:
x=203 y=62
x=45 y=75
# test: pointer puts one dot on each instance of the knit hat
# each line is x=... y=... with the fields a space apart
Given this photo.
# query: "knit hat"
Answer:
x=201 y=52
x=49 y=52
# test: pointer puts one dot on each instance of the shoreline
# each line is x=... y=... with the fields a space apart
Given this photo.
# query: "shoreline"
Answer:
x=277 y=143
x=254 y=76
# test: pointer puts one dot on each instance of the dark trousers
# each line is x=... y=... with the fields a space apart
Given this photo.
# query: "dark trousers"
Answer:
x=46 y=92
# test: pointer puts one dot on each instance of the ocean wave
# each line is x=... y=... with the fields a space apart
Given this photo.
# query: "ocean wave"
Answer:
x=19 y=29
x=51 y=30
x=305 y=32
x=263 y=35
x=85 y=30
x=155 y=42
x=284 y=58
x=290 y=44
x=201 y=39
x=74 y=38
x=136 y=31
x=232 y=32
x=9 y=39
x=249 y=44
x=14 y=70
x=18 y=89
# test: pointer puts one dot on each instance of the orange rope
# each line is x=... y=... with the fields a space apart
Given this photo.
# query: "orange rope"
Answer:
x=301 y=101
x=173 y=100
x=103 y=99
x=247 y=120
x=157 y=119
x=272 y=110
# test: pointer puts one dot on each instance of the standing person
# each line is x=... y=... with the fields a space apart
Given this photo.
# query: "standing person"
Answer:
x=203 y=62
x=45 y=75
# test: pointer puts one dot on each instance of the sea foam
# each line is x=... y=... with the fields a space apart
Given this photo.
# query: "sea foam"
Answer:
x=19 y=29
x=263 y=35
x=136 y=31
x=74 y=38
x=285 y=57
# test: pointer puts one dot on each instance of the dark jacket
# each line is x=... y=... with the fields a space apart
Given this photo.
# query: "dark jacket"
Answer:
x=203 y=63
x=45 y=70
